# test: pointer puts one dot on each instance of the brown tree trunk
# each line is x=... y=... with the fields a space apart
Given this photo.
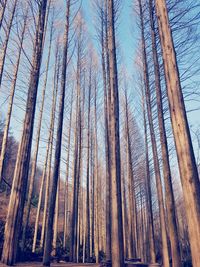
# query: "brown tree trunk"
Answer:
x=50 y=216
x=47 y=162
x=96 y=179
x=169 y=195
x=18 y=193
x=88 y=175
x=186 y=158
x=11 y=98
x=5 y=45
x=165 y=252
x=34 y=162
x=66 y=204
x=50 y=149
x=132 y=211
x=55 y=226
x=150 y=227
x=3 y=7
x=106 y=119
x=117 y=247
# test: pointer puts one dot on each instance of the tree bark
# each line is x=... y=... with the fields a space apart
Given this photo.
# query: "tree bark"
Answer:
x=51 y=209
x=18 y=192
x=66 y=205
x=11 y=98
x=117 y=247
x=169 y=195
x=165 y=252
x=34 y=162
x=186 y=158
x=3 y=7
x=150 y=227
x=5 y=45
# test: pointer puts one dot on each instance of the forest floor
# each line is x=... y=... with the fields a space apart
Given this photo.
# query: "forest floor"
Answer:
x=32 y=264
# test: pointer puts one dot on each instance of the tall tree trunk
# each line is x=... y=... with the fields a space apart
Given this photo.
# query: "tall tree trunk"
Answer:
x=55 y=227
x=165 y=251
x=50 y=216
x=11 y=98
x=47 y=162
x=186 y=158
x=88 y=175
x=5 y=45
x=132 y=211
x=150 y=227
x=106 y=118
x=169 y=195
x=117 y=248
x=96 y=179
x=34 y=162
x=66 y=204
x=3 y=7
x=18 y=192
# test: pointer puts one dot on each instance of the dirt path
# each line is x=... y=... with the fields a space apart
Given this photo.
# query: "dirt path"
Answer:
x=32 y=264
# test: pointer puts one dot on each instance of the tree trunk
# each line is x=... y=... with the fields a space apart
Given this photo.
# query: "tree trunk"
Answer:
x=186 y=158
x=50 y=216
x=50 y=142
x=55 y=227
x=46 y=163
x=165 y=251
x=106 y=119
x=5 y=45
x=117 y=247
x=96 y=179
x=148 y=192
x=18 y=193
x=11 y=98
x=34 y=162
x=169 y=195
x=66 y=205
x=132 y=211
x=3 y=7
x=88 y=176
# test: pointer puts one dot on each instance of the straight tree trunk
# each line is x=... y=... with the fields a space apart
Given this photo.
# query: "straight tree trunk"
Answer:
x=76 y=163
x=11 y=98
x=88 y=176
x=106 y=119
x=96 y=180
x=19 y=185
x=5 y=45
x=3 y=8
x=186 y=158
x=50 y=140
x=50 y=216
x=55 y=227
x=150 y=227
x=34 y=162
x=131 y=189
x=47 y=163
x=165 y=252
x=66 y=205
x=117 y=247
x=169 y=195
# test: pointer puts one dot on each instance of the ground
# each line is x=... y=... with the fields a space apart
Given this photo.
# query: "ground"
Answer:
x=53 y=265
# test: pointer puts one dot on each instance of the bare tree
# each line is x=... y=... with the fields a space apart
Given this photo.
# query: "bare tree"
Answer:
x=11 y=98
x=117 y=247
x=165 y=252
x=5 y=45
x=50 y=216
x=18 y=193
x=186 y=158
